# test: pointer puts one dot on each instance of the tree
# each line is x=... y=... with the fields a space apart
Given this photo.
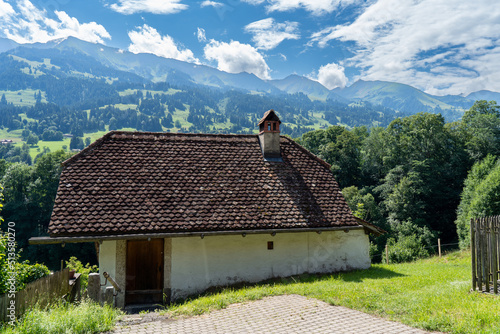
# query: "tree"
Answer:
x=9 y=262
x=16 y=182
x=473 y=190
x=167 y=121
x=32 y=140
x=25 y=133
x=76 y=143
x=38 y=97
x=113 y=124
x=339 y=147
x=480 y=129
x=425 y=164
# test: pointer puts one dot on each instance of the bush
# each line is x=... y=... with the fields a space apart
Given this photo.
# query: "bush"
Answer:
x=406 y=249
x=411 y=242
x=27 y=273
x=78 y=267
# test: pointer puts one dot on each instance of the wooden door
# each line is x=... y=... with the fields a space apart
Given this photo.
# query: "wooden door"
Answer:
x=144 y=272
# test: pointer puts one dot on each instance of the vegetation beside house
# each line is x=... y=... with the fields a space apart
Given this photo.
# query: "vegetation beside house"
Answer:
x=83 y=317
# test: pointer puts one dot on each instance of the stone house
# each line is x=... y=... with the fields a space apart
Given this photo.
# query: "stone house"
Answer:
x=174 y=214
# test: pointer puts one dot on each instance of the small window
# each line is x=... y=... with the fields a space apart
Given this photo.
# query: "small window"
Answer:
x=274 y=126
x=270 y=245
x=268 y=126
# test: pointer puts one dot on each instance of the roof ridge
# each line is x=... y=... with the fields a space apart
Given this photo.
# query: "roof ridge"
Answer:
x=87 y=149
x=167 y=134
x=312 y=155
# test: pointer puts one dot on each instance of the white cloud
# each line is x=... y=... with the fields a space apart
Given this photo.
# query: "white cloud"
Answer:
x=267 y=34
x=201 y=35
x=331 y=76
x=29 y=25
x=6 y=10
x=148 y=6
x=208 y=3
x=146 y=39
x=405 y=40
x=317 y=7
x=235 y=57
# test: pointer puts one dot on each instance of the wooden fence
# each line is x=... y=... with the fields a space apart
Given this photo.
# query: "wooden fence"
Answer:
x=485 y=249
x=41 y=292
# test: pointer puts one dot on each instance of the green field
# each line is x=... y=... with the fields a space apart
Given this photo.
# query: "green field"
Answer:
x=171 y=91
x=22 y=98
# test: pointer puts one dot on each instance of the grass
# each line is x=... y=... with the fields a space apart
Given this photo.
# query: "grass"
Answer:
x=170 y=91
x=85 y=317
x=22 y=98
x=432 y=294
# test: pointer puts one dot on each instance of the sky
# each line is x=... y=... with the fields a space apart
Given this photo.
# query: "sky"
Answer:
x=439 y=46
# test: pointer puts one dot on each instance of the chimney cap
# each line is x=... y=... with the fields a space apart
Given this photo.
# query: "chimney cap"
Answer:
x=269 y=115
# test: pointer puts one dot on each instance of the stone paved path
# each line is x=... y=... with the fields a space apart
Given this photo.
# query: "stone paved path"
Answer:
x=280 y=314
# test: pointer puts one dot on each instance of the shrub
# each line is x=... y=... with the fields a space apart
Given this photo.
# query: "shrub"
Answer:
x=411 y=243
x=27 y=273
x=406 y=249
x=78 y=267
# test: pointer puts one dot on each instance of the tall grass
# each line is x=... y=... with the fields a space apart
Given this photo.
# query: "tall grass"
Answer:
x=84 y=317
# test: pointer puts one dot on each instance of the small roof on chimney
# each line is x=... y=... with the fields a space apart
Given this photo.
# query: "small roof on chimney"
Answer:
x=270 y=115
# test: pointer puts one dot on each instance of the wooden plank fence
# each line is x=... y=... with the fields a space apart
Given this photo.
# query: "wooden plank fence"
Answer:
x=41 y=292
x=485 y=250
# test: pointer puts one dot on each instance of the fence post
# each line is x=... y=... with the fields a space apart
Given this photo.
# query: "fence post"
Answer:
x=94 y=287
x=473 y=252
x=108 y=296
x=486 y=262
x=494 y=254
x=386 y=254
x=439 y=246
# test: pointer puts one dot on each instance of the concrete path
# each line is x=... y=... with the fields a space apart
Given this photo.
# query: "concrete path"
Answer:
x=280 y=314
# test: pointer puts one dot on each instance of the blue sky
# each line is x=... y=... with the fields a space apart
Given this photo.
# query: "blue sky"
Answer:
x=439 y=46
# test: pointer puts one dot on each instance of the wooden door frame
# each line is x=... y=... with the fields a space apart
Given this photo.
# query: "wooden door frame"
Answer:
x=144 y=292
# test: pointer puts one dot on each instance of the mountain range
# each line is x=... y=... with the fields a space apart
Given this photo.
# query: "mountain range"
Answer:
x=83 y=59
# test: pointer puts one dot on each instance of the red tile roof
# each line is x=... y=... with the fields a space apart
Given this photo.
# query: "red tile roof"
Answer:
x=132 y=182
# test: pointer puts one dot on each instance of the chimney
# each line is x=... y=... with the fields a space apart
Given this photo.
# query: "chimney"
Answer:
x=269 y=136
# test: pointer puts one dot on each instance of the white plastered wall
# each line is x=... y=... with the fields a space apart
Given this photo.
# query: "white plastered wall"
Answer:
x=197 y=264
x=112 y=260
x=107 y=259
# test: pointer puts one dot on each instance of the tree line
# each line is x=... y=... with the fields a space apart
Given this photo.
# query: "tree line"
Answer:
x=409 y=177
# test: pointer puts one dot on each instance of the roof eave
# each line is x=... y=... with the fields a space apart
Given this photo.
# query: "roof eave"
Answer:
x=99 y=238
x=370 y=228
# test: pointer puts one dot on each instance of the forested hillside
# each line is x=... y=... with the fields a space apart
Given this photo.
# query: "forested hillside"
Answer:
x=402 y=171
x=406 y=177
